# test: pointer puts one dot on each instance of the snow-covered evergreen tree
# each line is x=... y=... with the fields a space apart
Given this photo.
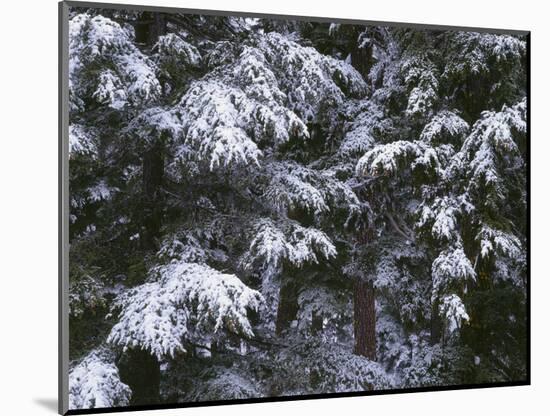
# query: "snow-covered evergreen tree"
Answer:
x=263 y=207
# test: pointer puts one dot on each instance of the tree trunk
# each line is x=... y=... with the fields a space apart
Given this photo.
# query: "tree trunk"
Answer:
x=149 y=27
x=153 y=174
x=361 y=59
x=435 y=325
x=141 y=372
x=364 y=320
x=158 y=28
x=316 y=323
x=152 y=25
x=287 y=308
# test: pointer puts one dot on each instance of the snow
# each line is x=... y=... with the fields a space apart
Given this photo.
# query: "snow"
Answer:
x=293 y=185
x=269 y=244
x=297 y=244
x=442 y=216
x=304 y=242
x=152 y=124
x=82 y=140
x=335 y=367
x=260 y=97
x=444 y=124
x=493 y=138
x=420 y=73
x=186 y=300
x=362 y=133
x=449 y=269
x=227 y=384
x=491 y=240
x=386 y=159
x=86 y=292
x=285 y=168
x=308 y=77
x=215 y=121
x=475 y=51
x=131 y=78
x=192 y=245
x=101 y=191
x=322 y=302
x=110 y=90
x=95 y=383
x=453 y=311
x=172 y=47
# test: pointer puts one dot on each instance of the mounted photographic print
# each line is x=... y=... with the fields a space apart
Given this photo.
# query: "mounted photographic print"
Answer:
x=260 y=208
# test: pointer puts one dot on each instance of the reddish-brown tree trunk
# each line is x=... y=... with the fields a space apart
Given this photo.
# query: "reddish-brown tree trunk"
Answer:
x=364 y=319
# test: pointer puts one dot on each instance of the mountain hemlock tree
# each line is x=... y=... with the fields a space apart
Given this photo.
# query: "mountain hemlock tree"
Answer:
x=262 y=207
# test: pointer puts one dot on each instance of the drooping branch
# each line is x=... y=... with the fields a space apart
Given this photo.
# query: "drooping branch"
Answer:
x=398 y=229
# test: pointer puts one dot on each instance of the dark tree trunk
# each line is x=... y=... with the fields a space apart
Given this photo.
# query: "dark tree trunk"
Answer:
x=149 y=27
x=152 y=26
x=158 y=28
x=153 y=174
x=141 y=372
x=316 y=323
x=361 y=59
x=435 y=325
x=364 y=319
x=287 y=308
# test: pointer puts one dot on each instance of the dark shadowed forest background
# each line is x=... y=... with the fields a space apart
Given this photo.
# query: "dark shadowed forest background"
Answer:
x=263 y=207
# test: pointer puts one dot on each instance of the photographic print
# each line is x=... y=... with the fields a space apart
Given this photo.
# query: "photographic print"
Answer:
x=276 y=207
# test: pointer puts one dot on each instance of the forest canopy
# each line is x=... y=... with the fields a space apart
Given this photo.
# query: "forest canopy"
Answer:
x=264 y=207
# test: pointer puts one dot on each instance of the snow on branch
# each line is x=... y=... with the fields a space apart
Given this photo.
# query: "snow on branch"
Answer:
x=269 y=244
x=82 y=140
x=474 y=51
x=293 y=185
x=100 y=191
x=451 y=269
x=219 y=122
x=441 y=216
x=264 y=95
x=492 y=240
x=226 y=384
x=362 y=133
x=151 y=124
x=453 y=311
x=309 y=78
x=171 y=49
x=494 y=140
x=187 y=301
x=128 y=76
x=305 y=242
x=337 y=368
x=292 y=242
x=94 y=382
x=422 y=81
x=444 y=127
x=387 y=159
x=86 y=292
x=195 y=245
x=321 y=301
x=346 y=371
